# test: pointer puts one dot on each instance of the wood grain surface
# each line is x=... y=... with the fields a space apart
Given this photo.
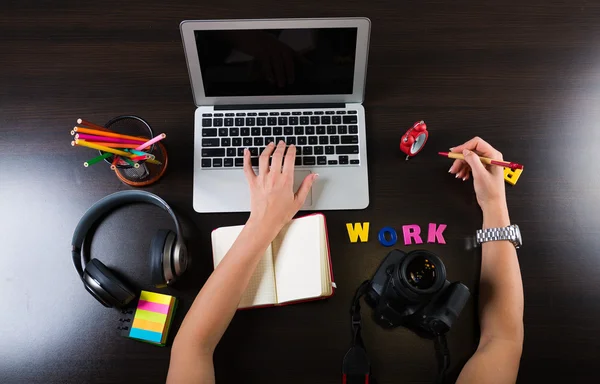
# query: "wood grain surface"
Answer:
x=524 y=75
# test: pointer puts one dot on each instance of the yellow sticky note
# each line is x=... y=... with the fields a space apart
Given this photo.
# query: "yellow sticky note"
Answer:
x=155 y=297
x=511 y=176
x=150 y=316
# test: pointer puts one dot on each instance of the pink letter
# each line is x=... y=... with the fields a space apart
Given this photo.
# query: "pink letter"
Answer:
x=436 y=234
x=412 y=232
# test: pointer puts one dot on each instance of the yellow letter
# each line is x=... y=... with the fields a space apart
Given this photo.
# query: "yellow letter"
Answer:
x=511 y=176
x=358 y=230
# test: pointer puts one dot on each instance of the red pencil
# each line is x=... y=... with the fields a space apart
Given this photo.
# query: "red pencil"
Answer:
x=484 y=160
x=113 y=166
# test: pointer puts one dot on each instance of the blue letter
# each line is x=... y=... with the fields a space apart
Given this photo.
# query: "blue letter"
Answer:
x=393 y=236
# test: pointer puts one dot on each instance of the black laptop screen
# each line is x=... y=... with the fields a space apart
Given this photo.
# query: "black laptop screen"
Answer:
x=275 y=62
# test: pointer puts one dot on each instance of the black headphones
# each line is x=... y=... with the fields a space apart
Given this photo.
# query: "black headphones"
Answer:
x=168 y=254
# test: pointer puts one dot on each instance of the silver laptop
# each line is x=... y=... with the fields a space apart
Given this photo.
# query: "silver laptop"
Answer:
x=297 y=80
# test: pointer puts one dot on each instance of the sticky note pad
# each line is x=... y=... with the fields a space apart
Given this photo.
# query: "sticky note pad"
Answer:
x=152 y=318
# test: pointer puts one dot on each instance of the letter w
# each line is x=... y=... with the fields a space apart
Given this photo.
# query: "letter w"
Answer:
x=358 y=230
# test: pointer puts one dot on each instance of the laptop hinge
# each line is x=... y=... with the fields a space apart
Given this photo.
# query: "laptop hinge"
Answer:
x=278 y=106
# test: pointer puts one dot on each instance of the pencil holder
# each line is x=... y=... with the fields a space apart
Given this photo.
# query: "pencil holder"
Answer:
x=141 y=173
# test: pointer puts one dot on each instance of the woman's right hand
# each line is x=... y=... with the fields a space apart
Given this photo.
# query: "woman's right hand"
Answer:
x=273 y=201
x=487 y=180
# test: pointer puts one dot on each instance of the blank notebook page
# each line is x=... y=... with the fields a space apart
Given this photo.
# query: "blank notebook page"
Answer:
x=297 y=258
x=261 y=288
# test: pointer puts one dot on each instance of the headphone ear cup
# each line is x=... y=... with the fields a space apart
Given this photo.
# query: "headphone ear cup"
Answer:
x=157 y=247
x=105 y=286
x=169 y=258
x=180 y=259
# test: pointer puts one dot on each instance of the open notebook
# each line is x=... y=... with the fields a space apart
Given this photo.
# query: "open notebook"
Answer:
x=295 y=267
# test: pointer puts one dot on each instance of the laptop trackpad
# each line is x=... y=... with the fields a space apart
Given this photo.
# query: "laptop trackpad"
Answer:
x=298 y=178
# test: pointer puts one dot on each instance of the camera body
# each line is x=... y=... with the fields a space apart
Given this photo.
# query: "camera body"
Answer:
x=411 y=290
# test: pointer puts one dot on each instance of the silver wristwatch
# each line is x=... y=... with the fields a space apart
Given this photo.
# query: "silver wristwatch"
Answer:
x=511 y=233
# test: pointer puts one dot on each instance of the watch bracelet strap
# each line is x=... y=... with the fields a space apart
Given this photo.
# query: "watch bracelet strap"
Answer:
x=494 y=234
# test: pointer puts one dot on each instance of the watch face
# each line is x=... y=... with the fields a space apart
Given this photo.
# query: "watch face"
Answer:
x=519 y=239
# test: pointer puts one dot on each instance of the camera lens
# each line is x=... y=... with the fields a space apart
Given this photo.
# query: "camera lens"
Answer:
x=421 y=273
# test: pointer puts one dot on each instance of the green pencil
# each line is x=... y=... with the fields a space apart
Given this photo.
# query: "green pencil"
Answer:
x=130 y=162
x=97 y=159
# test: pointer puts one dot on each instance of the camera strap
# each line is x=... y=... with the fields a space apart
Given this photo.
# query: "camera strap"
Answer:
x=356 y=367
x=442 y=353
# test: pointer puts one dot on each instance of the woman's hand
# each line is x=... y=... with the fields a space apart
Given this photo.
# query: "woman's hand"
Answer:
x=272 y=198
x=488 y=180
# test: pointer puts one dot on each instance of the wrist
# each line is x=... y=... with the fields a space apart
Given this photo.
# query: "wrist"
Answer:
x=262 y=228
x=495 y=215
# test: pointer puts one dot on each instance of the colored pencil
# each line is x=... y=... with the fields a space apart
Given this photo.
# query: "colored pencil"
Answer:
x=484 y=160
x=105 y=139
x=84 y=143
x=97 y=159
x=92 y=125
x=152 y=161
x=114 y=145
x=140 y=153
x=131 y=163
x=107 y=134
x=152 y=141
x=113 y=165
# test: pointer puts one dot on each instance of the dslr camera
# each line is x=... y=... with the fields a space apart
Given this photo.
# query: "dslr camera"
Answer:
x=411 y=290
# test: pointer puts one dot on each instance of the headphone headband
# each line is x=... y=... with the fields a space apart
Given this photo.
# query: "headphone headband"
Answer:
x=104 y=206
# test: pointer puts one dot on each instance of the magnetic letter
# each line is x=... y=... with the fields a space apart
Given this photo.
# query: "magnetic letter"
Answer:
x=358 y=230
x=434 y=234
x=412 y=232
x=393 y=236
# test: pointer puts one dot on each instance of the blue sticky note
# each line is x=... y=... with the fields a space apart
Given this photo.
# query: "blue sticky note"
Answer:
x=142 y=334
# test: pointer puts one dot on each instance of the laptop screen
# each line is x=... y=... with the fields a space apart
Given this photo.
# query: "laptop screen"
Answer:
x=275 y=62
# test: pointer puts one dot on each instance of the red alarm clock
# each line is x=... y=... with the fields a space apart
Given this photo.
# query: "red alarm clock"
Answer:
x=413 y=141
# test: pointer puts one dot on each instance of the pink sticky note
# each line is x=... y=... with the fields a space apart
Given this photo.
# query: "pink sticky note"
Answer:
x=412 y=232
x=434 y=234
x=153 y=307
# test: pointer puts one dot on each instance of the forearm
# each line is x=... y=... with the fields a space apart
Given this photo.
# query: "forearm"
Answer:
x=217 y=301
x=501 y=288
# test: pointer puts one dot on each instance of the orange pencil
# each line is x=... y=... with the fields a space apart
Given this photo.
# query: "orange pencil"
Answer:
x=108 y=134
x=92 y=125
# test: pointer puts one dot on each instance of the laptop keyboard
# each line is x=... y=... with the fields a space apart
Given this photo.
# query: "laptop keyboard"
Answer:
x=322 y=137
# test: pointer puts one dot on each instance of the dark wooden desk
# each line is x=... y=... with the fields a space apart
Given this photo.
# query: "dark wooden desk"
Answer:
x=522 y=74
